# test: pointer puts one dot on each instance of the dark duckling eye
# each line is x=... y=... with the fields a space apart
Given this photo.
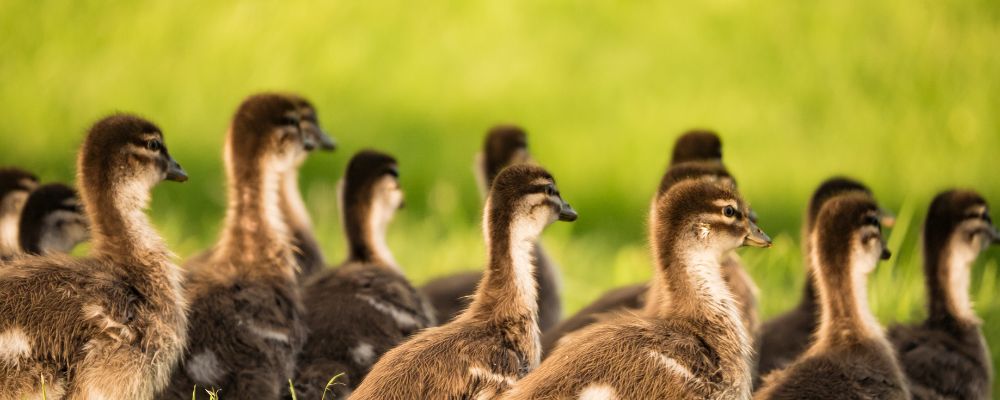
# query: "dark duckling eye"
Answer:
x=729 y=211
x=550 y=190
x=872 y=220
x=154 y=145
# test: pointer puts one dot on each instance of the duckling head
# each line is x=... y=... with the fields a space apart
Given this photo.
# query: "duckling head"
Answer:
x=837 y=185
x=267 y=134
x=704 y=214
x=309 y=123
x=504 y=145
x=53 y=221
x=848 y=237
x=125 y=154
x=15 y=183
x=524 y=197
x=708 y=170
x=697 y=145
x=371 y=185
x=961 y=218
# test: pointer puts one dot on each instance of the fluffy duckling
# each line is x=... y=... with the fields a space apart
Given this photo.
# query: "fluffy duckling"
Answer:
x=494 y=342
x=783 y=338
x=692 y=342
x=246 y=307
x=633 y=297
x=366 y=306
x=946 y=356
x=504 y=145
x=112 y=325
x=850 y=357
x=53 y=221
x=15 y=185
x=308 y=255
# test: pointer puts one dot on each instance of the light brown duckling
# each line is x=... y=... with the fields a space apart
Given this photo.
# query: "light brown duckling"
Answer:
x=108 y=326
x=504 y=145
x=15 y=186
x=246 y=327
x=690 y=342
x=495 y=341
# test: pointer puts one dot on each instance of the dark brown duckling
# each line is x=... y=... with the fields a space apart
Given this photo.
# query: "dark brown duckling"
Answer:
x=366 y=306
x=850 y=357
x=15 y=186
x=53 y=221
x=946 y=356
x=246 y=327
x=111 y=325
x=783 y=338
x=494 y=342
x=504 y=145
x=692 y=343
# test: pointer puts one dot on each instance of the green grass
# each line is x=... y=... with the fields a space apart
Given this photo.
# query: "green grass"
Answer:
x=901 y=94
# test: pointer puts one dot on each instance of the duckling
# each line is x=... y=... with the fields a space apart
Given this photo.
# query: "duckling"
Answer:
x=504 y=145
x=785 y=337
x=112 y=325
x=850 y=357
x=632 y=297
x=692 y=343
x=246 y=327
x=494 y=341
x=308 y=255
x=366 y=306
x=53 y=221
x=15 y=185
x=946 y=356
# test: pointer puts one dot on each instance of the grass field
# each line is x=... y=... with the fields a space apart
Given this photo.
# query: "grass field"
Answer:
x=900 y=94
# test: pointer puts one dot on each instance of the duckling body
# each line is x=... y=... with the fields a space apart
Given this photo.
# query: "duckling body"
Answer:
x=850 y=357
x=785 y=337
x=366 y=306
x=111 y=325
x=15 y=186
x=246 y=307
x=690 y=343
x=504 y=145
x=946 y=356
x=53 y=221
x=495 y=341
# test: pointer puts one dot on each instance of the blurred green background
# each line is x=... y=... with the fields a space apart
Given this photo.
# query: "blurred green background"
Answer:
x=900 y=94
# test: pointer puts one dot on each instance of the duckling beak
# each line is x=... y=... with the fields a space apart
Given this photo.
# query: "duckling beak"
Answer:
x=567 y=213
x=757 y=237
x=886 y=254
x=753 y=216
x=886 y=218
x=994 y=235
x=326 y=142
x=175 y=172
x=309 y=142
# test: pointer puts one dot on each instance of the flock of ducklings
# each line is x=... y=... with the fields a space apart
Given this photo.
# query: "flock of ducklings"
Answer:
x=261 y=309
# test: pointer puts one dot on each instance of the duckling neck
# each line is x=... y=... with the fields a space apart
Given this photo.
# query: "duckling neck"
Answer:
x=255 y=230
x=844 y=311
x=365 y=225
x=119 y=225
x=299 y=222
x=947 y=280
x=508 y=288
